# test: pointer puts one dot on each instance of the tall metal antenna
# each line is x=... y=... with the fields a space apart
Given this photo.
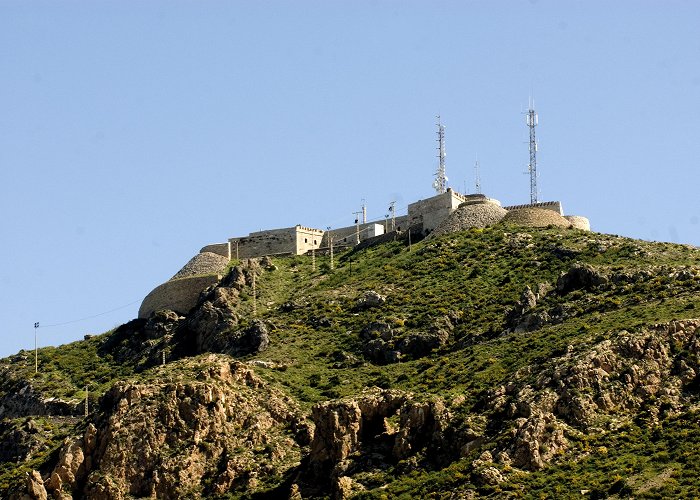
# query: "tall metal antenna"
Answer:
x=440 y=183
x=364 y=211
x=477 y=177
x=531 y=120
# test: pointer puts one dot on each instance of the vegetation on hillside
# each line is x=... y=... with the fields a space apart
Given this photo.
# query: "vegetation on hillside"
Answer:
x=471 y=286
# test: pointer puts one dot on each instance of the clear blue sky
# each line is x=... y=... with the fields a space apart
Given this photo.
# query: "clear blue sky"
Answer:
x=134 y=133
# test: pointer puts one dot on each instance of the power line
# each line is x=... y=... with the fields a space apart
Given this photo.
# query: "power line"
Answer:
x=88 y=317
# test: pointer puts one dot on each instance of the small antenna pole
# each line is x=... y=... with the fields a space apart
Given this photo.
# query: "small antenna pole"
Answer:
x=440 y=183
x=36 y=356
x=477 y=176
x=330 y=244
x=364 y=211
x=357 y=227
x=531 y=121
x=392 y=210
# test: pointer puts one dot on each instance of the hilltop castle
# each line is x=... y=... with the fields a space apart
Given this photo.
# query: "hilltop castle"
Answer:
x=182 y=291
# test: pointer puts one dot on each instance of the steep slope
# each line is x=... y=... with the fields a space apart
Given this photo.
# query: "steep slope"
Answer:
x=502 y=361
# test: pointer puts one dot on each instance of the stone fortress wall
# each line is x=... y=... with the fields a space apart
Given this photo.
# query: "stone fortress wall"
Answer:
x=555 y=206
x=295 y=240
x=430 y=212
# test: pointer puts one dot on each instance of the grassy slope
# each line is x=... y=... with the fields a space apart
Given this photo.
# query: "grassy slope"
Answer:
x=472 y=278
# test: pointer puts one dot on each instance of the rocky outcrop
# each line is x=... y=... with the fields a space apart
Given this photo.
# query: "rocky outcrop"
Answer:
x=20 y=399
x=377 y=428
x=223 y=431
x=383 y=344
x=580 y=276
x=369 y=300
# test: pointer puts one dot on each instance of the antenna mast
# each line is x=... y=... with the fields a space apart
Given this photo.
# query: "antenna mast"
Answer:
x=531 y=120
x=477 y=176
x=440 y=183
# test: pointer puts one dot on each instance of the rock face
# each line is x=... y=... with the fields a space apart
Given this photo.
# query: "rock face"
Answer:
x=353 y=435
x=383 y=345
x=647 y=369
x=225 y=431
x=580 y=276
x=21 y=399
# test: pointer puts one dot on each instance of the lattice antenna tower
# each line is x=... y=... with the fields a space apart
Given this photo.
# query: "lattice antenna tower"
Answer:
x=531 y=120
x=477 y=177
x=440 y=183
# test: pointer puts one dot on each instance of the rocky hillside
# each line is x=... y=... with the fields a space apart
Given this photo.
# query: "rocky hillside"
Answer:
x=504 y=362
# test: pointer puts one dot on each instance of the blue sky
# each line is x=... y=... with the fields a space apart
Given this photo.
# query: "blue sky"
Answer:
x=134 y=133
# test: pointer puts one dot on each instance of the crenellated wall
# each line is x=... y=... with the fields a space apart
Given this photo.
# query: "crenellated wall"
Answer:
x=554 y=206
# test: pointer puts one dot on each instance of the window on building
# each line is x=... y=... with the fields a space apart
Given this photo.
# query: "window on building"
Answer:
x=305 y=240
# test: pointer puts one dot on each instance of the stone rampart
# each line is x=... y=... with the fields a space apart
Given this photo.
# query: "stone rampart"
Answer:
x=179 y=295
x=295 y=240
x=579 y=222
x=348 y=235
x=554 y=206
x=223 y=249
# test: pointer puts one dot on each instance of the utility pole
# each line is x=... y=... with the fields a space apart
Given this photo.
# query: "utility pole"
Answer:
x=330 y=244
x=36 y=356
x=386 y=223
x=255 y=298
x=392 y=210
x=364 y=211
x=357 y=227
